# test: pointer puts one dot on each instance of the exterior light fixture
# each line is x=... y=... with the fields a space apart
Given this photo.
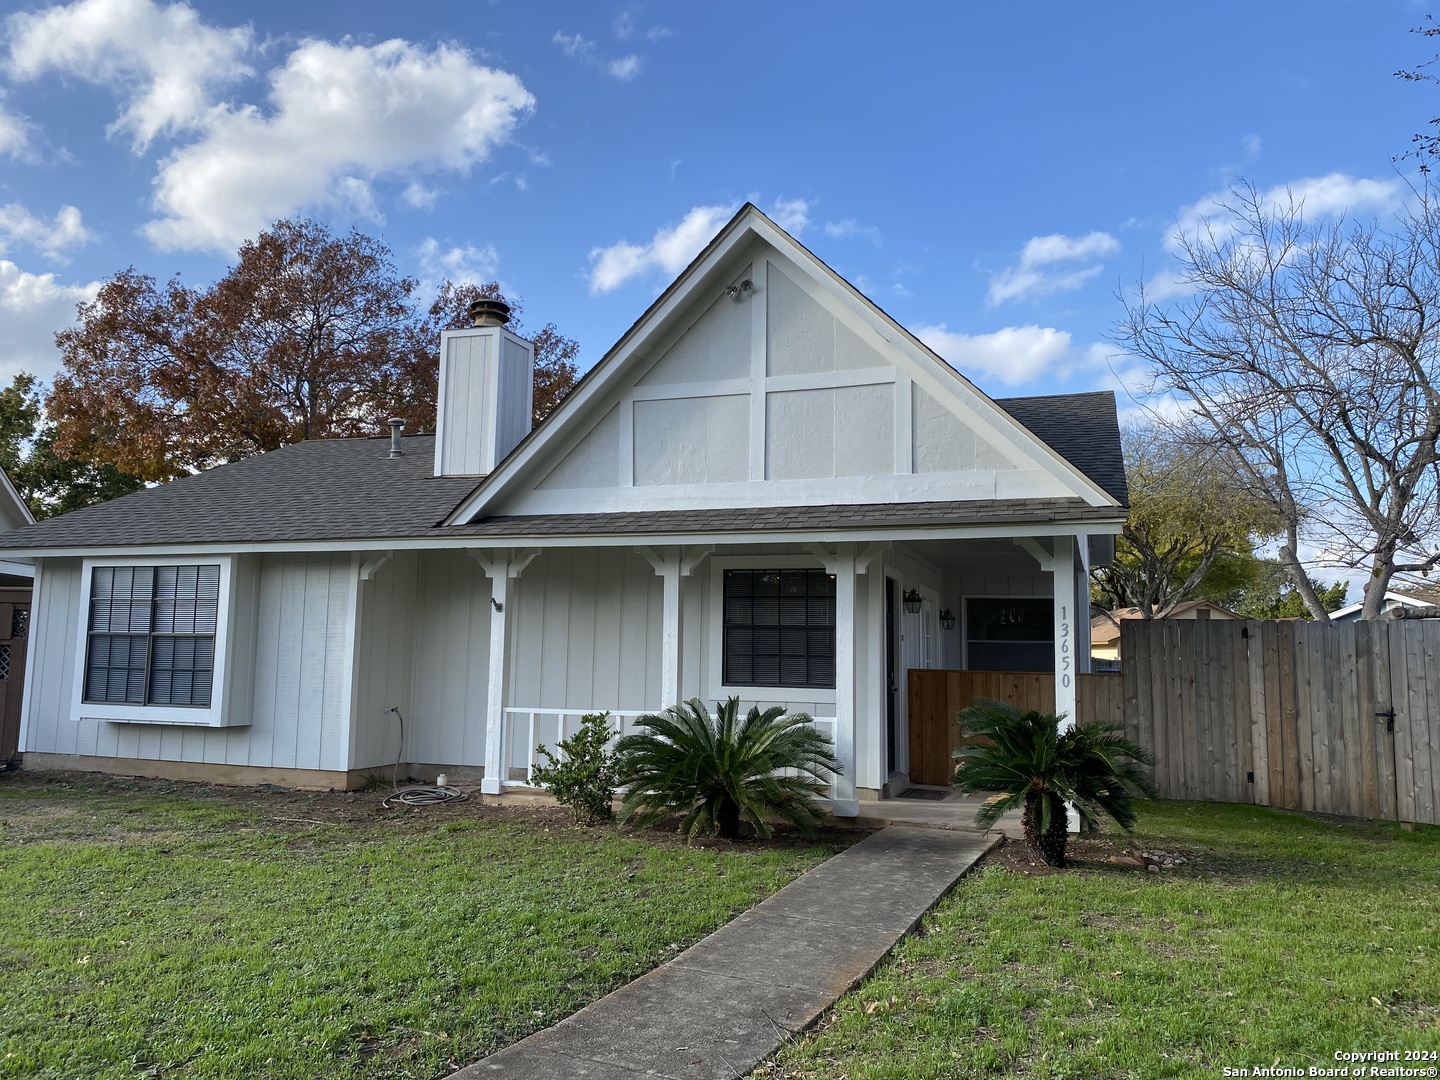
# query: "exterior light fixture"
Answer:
x=947 y=619
x=912 y=601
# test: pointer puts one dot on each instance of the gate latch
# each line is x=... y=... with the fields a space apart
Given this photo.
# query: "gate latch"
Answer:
x=1389 y=715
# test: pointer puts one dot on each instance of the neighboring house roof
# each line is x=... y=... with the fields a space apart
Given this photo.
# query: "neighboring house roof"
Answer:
x=1393 y=598
x=1105 y=628
x=351 y=489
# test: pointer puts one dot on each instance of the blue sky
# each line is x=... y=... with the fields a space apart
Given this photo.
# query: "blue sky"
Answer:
x=990 y=174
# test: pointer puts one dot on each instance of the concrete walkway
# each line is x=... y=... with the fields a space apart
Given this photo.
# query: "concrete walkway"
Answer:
x=721 y=1007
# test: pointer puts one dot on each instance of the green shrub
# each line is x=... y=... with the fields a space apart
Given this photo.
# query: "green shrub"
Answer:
x=718 y=772
x=584 y=778
x=1032 y=763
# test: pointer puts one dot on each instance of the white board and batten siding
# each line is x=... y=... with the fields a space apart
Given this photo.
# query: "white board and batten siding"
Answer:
x=290 y=671
x=781 y=395
x=486 y=392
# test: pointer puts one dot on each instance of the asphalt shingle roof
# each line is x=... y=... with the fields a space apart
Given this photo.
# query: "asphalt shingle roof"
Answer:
x=351 y=489
x=1083 y=428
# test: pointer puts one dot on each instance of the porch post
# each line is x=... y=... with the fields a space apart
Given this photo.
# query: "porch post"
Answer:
x=844 y=803
x=1083 y=664
x=1062 y=576
x=499 y=566
x=672 y=564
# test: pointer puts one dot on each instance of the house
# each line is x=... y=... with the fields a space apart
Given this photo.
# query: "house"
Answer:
x=1105 y=627
x=15 y=581
x=1411 y=601
x=766 y=488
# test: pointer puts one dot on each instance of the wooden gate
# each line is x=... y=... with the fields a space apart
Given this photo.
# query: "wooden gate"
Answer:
x=14 y=633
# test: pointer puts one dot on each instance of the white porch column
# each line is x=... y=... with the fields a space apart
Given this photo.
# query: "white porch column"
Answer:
x=1060 y=564
x=844 y=804
x=1062 y=576
x=672 y=564
x=847 y=563
x=1083 y=663
x=500 y=567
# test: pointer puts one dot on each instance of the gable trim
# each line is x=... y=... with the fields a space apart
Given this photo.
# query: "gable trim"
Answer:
x=641 y=342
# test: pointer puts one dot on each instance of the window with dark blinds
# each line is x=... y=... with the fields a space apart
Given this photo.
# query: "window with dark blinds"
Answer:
x=152 y=634
x=779 y=628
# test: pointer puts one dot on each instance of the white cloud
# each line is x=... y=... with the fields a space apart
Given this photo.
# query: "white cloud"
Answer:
x=1013 y=355
x=14 y=133
x=574 y=46
x=670 y=249
x=419 y=195
x=1040 y=271
x=1252 y=145
x=340 y=114
x=164 y=61
x=65 y=230
x=792 y=215
x=584 y=51
x=624 y=68
x=1315 y=197
x=32 y=308
x=845 y=230
x=462 y=265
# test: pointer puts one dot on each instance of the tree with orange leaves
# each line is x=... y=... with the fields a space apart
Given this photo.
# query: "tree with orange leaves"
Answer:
x=310 y=335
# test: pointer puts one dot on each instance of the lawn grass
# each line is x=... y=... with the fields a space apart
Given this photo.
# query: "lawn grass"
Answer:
x=1282 y=939
x=168 y=930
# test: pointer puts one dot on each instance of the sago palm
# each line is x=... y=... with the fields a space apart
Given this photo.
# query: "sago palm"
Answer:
x=1030 y=762
x=717 y=772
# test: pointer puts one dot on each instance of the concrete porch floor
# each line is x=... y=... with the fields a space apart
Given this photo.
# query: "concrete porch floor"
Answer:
x=954 y=811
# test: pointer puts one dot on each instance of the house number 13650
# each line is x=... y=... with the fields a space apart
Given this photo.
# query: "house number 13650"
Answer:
x=1063 y=629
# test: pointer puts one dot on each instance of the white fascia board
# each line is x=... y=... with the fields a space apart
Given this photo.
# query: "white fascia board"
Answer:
x=15 y=505
x=615 y=363
x=17 y=569
x=617 y=539
x=943 y=377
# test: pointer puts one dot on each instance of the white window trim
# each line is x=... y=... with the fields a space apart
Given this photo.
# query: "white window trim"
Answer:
x=715 y=631
x=216 y=714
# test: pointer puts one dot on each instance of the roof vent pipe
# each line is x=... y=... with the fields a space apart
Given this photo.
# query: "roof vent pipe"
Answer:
x=396 y=426
x=488 y=312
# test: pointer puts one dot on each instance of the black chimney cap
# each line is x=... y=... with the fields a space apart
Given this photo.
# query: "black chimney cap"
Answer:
x=488 y=312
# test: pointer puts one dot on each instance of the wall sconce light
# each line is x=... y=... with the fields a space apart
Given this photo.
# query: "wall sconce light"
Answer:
x=947 y=619
x=912 y=601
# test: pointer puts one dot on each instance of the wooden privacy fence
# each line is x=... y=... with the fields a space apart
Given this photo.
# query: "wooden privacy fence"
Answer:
x=1339 y=718
x=936 y=696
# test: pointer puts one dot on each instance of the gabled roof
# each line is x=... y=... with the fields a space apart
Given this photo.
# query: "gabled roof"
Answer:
x=710 y=268
x=351 y=489
x=329 y=489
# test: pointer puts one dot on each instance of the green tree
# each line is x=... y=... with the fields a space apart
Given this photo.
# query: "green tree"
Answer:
x=1270 y=594
x=310 y=335
x=49 y=483
x=1193 y=525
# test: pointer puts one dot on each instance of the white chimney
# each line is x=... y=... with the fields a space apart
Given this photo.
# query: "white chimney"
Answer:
x=487 y=387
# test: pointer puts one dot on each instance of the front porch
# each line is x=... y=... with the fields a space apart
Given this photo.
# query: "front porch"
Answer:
x=490 y=652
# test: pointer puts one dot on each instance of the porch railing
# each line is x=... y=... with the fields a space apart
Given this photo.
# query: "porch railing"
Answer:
x=525 y=729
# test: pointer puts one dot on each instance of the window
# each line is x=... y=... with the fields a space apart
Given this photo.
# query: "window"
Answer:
x=151 y=634
x=1010 y=634
x=779 y=628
